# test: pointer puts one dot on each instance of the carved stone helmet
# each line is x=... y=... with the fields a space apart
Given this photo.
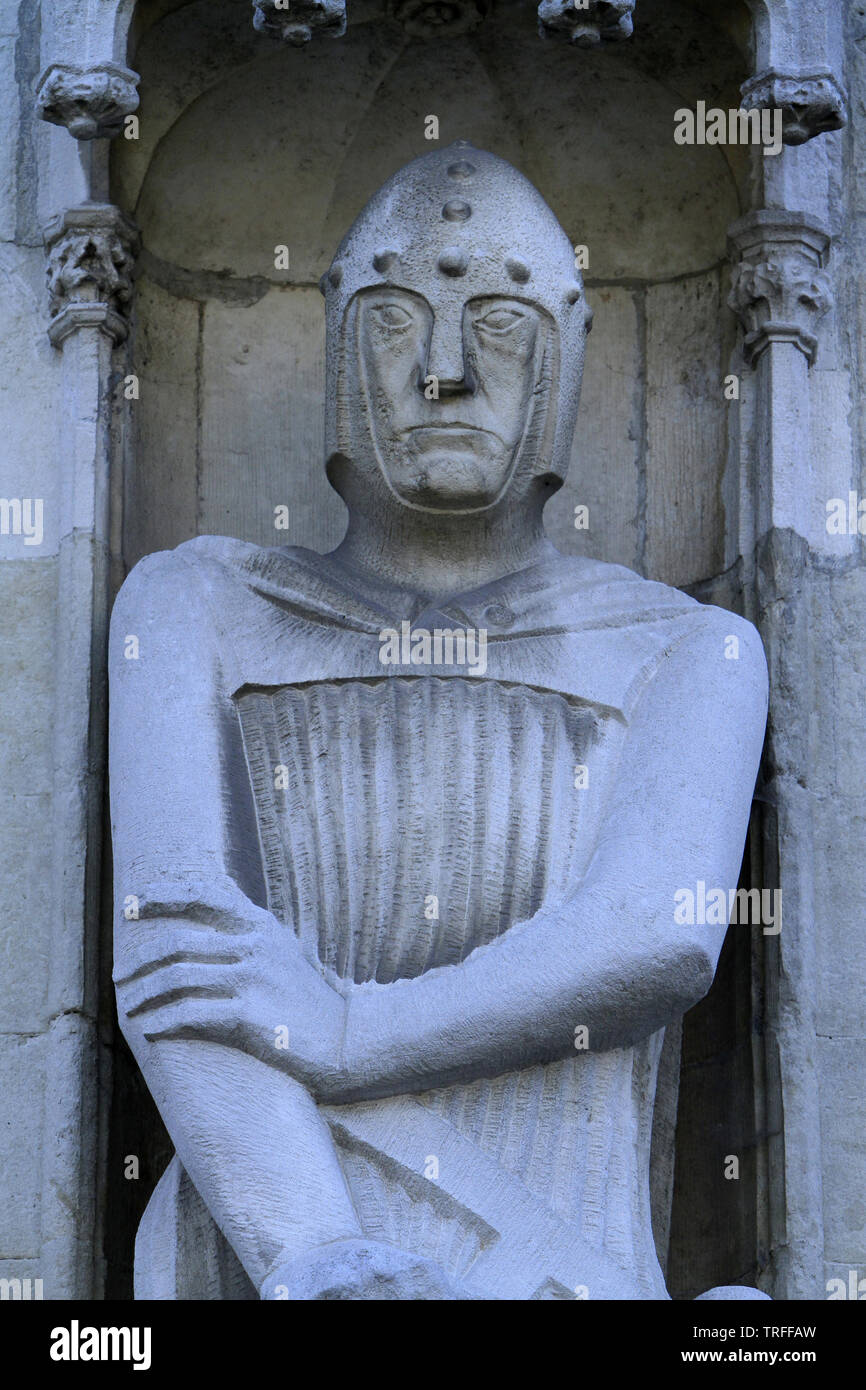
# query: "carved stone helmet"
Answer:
x=455 y=225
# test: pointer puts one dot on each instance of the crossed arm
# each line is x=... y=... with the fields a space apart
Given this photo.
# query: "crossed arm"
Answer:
x=610 y=956
x=207 y=979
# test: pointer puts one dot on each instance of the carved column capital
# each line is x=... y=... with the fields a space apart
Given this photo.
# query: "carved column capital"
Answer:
x=780 y=289
x=586 y=22
x=295 y=21
x=91 y=102
x=91 y=257
x=811 y=102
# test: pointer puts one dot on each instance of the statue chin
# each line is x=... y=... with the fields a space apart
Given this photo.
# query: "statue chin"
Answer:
x=448 y=482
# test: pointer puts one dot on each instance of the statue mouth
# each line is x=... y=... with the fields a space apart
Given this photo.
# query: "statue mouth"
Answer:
x=450 y=435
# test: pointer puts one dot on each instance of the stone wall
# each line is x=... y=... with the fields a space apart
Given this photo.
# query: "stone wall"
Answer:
x=47 y=1021
x=837 y=756
x=245 y=145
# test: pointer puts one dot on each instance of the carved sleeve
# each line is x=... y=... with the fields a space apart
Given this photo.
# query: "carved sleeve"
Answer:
x=249 y=1136
x=613 y=958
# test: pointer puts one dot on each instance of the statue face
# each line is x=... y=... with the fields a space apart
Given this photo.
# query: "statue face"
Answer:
x=455 y=452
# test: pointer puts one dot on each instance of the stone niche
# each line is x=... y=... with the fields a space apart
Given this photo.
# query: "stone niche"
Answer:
x=247 y=145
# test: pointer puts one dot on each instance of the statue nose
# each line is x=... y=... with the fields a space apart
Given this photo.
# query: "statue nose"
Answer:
x=446 y=359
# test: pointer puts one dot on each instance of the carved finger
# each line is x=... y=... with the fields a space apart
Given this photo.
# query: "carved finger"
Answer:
x=182 y=947
x=210 y=1018
x=174 y=983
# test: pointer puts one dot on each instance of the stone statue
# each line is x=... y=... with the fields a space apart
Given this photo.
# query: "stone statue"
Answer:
x=399 y=829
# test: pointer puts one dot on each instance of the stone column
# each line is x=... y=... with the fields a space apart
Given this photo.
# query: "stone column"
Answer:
x=84 y=94
x=780 y=292
x=90 y=252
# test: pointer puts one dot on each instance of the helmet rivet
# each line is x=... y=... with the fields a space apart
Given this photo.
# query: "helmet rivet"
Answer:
x=383 y=260
x=453 y=261
x=518 y=270
x=457 y=211
x=462 y=169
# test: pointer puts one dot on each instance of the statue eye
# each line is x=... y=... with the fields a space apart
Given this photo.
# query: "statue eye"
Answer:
x=390 y=315
x=499 y=320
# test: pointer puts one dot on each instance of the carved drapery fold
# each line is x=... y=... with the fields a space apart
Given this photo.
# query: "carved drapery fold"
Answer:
x=91 y=102
x=586 y=23
x=780 y=290
x=91 y=257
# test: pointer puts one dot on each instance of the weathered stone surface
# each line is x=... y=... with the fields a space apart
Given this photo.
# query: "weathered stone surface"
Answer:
x=513 y=1039
x=261 y=389
x=9 y=150
x=27 y=594
x=90 y=101
x=831 y=417
x=840 y=882
x=607 y=456
x=686 y=416
x=298 y=21
x=526 y=101
x=835 y=777
x=22 y=1068
x=811 y=103
x=164 y=472
x=91 y=257
x=779 y=290
x=843 y=1115
x=29 y=377
x=588 y=23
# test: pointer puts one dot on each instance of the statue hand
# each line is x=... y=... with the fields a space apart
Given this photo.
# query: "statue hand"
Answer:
x=238 y=978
